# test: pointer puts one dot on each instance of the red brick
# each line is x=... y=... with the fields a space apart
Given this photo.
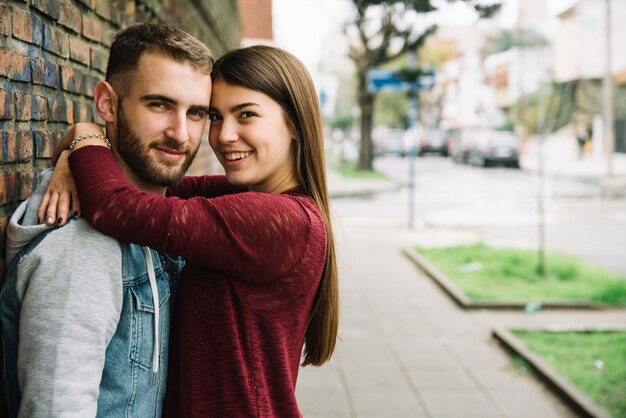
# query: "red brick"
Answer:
x=83 y=112
x=25 y=184
x=56 y=41
x=79 y=50
x=5 y=20
x=69 y=15
x=256 y=16
x=45 y=72
x=37 y=23
x=23 y=103
x=6 y=105
x=90 y=85
x=7 y=147
x=43 y=144
x=7 y=187
x=25 y=146
x=49 y=7
x=22 y=24
x=104 y=8
x=107 y=36
x=16 y=147
x=89 y=3
x=14 y=66
x=92 y=28
x=39 y=108
x=30 y=107
x=72 y=80
x=99 y=59
x=61 y=110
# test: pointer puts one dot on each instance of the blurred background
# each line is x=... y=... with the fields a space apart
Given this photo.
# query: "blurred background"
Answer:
x=448 y=124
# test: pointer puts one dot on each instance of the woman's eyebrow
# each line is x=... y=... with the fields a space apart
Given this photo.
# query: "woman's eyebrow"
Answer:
x=234 y=108
x=241 y=106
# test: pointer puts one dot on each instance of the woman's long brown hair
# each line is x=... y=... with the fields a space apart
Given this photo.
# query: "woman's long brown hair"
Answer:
x=281 y=76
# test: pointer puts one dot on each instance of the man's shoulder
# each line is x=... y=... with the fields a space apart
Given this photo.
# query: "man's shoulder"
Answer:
x=78 y=237
x=78 y=232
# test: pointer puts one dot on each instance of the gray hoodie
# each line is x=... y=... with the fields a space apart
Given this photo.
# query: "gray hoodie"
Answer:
x=74 y=273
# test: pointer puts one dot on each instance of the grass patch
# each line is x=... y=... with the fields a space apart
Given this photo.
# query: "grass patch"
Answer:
x=349 y=170
x=593 y=361
x=497 y=274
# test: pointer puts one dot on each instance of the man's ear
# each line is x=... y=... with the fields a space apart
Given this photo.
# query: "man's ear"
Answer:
x=106 y=101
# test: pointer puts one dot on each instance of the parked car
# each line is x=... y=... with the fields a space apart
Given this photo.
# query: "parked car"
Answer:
x=389 y=141
x=433 y=141
x=462 y=144
x=495 y=148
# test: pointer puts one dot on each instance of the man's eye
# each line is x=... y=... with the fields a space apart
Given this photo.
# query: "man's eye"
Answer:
x=158 y=105
x=197 y=113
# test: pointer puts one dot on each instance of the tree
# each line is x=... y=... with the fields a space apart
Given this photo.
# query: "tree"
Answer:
x=548 y=110
x=507 y=39
x=383 y=30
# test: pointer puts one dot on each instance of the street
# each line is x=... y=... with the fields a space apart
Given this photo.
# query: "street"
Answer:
x=457 y=203
x=405 y=348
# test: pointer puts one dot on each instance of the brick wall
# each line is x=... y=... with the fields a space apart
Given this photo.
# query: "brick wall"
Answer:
x=52 y=54
x=256 y=16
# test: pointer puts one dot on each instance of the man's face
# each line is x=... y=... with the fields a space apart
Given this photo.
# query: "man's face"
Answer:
x=160 y=120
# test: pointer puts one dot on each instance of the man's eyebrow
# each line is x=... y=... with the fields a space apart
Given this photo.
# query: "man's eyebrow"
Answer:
x=161 y=98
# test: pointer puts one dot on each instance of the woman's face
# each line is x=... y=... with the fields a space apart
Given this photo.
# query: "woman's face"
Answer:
x=251 y=139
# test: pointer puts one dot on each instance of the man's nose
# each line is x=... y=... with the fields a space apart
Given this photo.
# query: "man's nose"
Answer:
x=178 y=129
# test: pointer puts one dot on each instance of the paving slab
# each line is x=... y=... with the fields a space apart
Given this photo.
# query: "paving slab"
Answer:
x=407 y=350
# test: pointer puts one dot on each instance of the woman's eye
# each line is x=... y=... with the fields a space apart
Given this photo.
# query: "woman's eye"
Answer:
x=214 y=116
x=246 y=115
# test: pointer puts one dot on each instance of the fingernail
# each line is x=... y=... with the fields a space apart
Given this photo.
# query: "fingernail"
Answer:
x=59 y=220
x=49 y=221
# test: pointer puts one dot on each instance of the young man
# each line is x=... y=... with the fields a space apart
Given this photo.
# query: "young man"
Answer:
x=85 y=318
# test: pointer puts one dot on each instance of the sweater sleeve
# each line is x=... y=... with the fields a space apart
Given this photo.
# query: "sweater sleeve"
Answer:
x=206 y=186
x=71 y=305
x=251 y=236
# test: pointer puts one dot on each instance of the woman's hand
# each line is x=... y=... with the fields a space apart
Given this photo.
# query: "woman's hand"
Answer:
x=60 y=200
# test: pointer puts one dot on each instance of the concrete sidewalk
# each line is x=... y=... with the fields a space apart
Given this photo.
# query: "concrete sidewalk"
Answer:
x=407 y=350
x=561 y=159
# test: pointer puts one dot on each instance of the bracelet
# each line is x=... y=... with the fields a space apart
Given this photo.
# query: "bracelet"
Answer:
x=89 y=136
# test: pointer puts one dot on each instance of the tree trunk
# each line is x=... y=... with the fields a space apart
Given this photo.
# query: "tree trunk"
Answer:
x=366 y=152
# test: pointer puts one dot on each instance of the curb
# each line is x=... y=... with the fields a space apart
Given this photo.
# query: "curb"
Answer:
x=564 y=388
x=366 y=192
x=465 y=302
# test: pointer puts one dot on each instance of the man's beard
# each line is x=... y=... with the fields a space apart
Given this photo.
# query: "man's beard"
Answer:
x=136 y=154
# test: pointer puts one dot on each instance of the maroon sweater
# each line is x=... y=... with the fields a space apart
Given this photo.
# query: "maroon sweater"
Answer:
x=254 y=262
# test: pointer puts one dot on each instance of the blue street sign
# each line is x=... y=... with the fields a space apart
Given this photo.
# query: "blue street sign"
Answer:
x=381 y=80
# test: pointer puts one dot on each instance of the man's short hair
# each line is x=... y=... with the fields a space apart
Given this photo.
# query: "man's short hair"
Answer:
x=137 y=39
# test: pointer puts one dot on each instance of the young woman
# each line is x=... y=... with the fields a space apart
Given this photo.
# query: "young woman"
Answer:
x=259 y=291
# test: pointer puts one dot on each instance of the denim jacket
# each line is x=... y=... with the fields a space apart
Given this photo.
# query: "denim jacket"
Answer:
x=79 y=335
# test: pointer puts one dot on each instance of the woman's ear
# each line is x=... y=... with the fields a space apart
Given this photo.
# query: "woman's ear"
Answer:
x=106 y=101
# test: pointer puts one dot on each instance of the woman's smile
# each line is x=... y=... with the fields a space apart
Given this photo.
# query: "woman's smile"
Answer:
x=236 y=156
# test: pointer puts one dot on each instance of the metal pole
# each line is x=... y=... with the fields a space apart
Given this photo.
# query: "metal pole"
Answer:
x=607 y=95
x=411 y=122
